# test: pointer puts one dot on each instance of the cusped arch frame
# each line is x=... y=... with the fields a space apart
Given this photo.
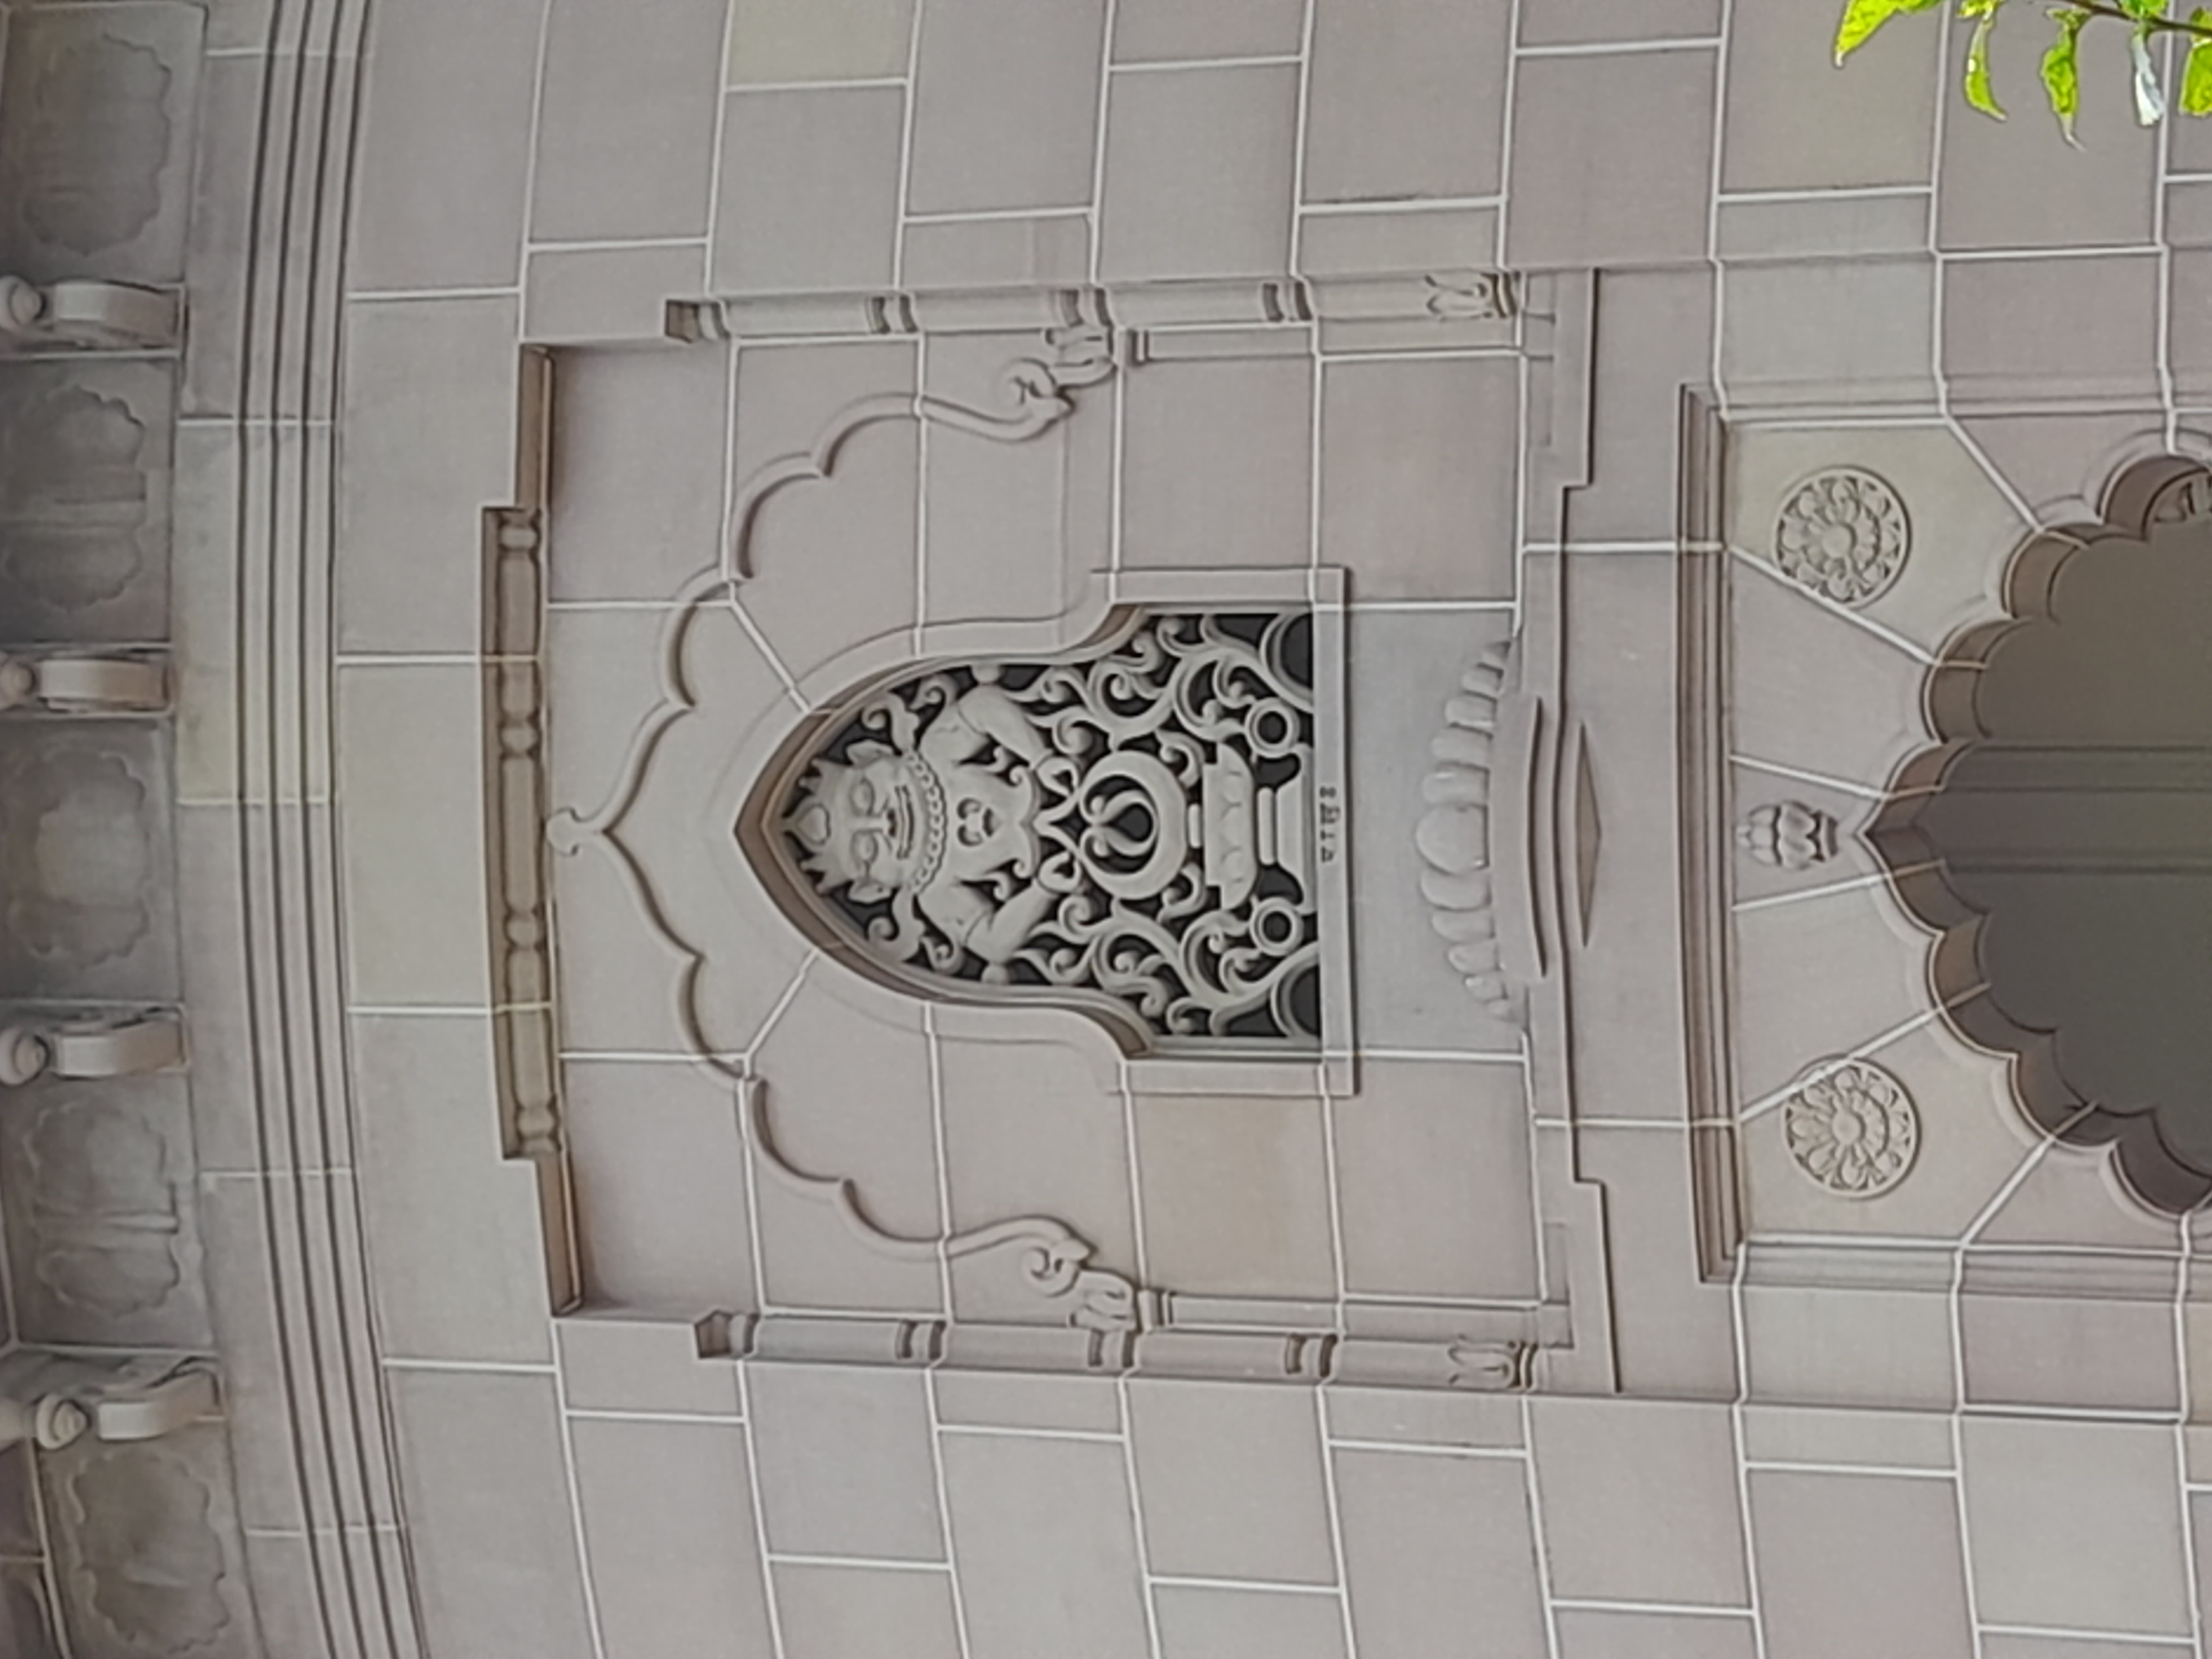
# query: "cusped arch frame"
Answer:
x=1118 y=611
x=732 y=765
x=2145 y=492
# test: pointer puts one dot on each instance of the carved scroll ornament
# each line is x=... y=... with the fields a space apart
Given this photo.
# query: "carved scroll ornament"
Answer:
x=1038 y=395
x=1029 y=1271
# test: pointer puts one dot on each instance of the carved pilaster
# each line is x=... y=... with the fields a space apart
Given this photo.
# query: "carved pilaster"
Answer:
x=524 y=1047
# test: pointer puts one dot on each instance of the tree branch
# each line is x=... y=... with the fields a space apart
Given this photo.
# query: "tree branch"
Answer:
x=2168 y=25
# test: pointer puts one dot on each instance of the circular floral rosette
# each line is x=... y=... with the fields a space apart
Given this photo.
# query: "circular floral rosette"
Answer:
x=1852 y=1127
x=1843 y=534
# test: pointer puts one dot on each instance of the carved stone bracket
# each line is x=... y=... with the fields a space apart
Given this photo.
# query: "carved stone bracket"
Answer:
x=87 y=315
x=75 y=683
x=56 y=1400
x=1038 y=393
x=125 y=1046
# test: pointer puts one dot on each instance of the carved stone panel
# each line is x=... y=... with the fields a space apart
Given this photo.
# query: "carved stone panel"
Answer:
x=103 y=1235
x=1137 y=829
x=95 y=141
x=85 y=460
x=86 y=904
x=146 y=1548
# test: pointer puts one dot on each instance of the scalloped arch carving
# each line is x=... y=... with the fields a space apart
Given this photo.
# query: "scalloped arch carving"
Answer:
x=2057 y=839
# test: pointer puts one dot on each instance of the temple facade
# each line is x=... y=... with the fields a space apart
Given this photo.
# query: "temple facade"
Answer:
x=1098 y=830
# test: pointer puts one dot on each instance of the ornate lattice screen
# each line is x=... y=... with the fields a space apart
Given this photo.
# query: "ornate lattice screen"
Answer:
x=1137 y=828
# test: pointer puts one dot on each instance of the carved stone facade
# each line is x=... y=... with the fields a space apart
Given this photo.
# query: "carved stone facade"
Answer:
x=1006 y=829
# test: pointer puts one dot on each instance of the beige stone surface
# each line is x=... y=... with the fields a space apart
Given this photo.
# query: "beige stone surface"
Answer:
x=829 y=1318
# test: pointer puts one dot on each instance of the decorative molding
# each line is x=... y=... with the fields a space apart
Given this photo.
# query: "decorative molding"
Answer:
x=526 y=1047
x=89 y=315
x=1454 y=837
x=102 y=1047
x=1441 y=297
x=1852 y=1127
x=1844 y=533
x=1787 y=834
x=514 y=781
x=1703 y=569
x=1039 y=396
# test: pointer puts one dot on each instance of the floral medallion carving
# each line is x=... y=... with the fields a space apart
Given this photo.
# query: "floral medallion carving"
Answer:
x=1787 y=834
x=1136 y=824
x=1852 y=1127
x=1844 y=533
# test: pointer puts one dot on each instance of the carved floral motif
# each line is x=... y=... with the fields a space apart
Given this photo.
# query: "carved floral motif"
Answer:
x=1787 y=835
x=1852 y=1127
x=1843 y=534
x=1137 y=825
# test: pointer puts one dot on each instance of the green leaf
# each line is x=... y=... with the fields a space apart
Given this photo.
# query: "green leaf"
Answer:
x=1862 y=17
x=2062 y=77
x=1979 y=92
x=2197 y=77
x=2150 y=96
x=2143 y=8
